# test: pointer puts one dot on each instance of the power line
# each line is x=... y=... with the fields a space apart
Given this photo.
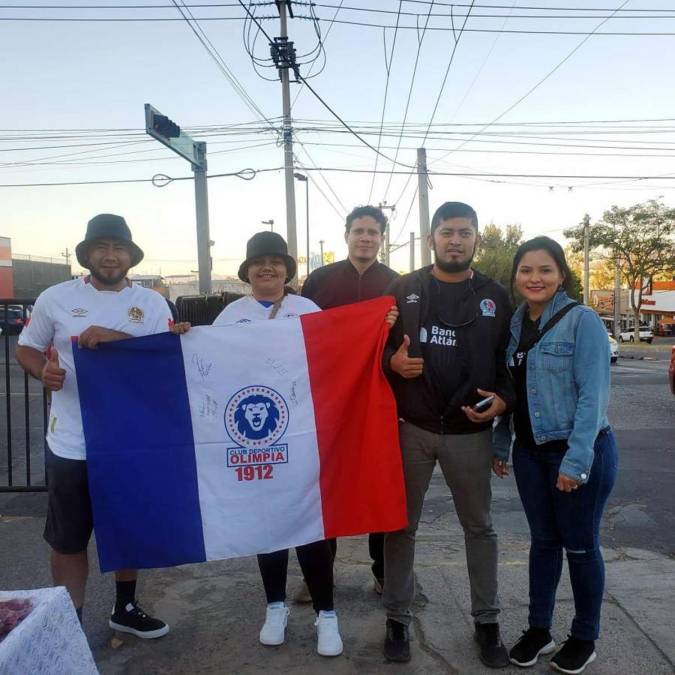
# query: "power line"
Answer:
x=433 y=114
x=541 y=81
x=387 y=66
x=248 y=174
x=318 y=97
x=201 y=5
x=222 y=65
x=420 y=40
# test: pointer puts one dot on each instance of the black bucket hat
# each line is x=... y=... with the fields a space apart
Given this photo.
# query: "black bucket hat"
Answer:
x=267 y=243
x=107 y=226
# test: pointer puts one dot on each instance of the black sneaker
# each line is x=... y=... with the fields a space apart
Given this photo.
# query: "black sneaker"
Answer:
x=492 y=650
x=574 y=656
x=532 y=644
x=132 y=619
x=397 y=642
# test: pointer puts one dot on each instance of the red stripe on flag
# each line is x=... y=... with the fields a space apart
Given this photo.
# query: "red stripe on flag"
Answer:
x=362 y=487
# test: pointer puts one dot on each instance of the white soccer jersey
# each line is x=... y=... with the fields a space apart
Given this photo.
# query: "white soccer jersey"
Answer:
x=65 y=311
x=248 y=309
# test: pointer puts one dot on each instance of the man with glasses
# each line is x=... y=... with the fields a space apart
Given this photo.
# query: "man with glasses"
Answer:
x=446 y=354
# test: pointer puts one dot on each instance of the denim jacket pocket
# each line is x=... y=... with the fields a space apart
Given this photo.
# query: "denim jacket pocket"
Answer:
x=557 y=357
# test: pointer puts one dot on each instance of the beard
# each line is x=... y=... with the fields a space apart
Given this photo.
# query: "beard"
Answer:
x=105 y=280
x=452 y=267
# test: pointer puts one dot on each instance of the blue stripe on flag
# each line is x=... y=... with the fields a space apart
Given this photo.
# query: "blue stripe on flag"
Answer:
x=140 y=453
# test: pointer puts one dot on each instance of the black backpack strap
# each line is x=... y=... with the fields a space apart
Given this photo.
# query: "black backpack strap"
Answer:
x=550 y=323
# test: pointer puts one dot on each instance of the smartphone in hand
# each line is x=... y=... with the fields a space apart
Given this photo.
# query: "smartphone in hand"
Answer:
x=484 y=404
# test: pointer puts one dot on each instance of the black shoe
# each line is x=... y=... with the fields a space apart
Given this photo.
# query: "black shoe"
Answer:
x=532 y=644
x=574 y=656
x=132 y=619
x=397 y=642
x=492 y=650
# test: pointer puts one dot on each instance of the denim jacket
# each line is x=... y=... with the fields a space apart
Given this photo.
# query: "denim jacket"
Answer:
x=567 y=384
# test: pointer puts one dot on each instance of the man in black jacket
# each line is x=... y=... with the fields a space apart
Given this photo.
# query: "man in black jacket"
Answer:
x=359 y=277
x=444 y=355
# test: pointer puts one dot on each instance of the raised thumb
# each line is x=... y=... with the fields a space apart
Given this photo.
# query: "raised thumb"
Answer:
x=54 y=356
x=404 y=345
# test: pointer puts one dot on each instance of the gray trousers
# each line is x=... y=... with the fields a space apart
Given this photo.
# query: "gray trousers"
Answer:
x=466 y=462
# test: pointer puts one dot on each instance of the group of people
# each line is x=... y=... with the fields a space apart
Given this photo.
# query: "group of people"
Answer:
x=471 y=380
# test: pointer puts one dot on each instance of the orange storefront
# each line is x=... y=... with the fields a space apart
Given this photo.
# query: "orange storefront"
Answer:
x=6 y=277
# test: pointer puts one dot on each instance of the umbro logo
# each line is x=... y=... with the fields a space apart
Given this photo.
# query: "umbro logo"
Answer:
x=79 y=312
x=413 y=297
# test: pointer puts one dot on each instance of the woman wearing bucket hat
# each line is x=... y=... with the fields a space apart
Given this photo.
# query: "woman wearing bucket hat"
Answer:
x=268 y=268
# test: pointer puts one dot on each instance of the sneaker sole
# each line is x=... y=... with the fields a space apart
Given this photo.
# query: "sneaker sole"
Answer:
x=591 y=658
x=146 y=635
x=331 y=653
x=546 y=649
x=268 y=643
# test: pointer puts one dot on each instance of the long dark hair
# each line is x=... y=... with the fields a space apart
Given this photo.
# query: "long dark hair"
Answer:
x=553 y=248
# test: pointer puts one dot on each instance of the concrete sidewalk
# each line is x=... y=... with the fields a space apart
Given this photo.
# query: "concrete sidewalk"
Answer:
x=216 y=609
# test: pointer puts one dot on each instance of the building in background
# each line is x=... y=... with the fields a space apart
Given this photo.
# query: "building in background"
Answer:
x=154 y=282
x=33 y=274
x=657 y=310
x=188 y=284
x=6 y=278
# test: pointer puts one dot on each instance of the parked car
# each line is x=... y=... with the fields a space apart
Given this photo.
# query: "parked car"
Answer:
x=613 y=349
x=671 y=370
x=646 y=335
x=11 y=319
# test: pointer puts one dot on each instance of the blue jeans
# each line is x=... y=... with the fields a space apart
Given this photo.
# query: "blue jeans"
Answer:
x=569 y=520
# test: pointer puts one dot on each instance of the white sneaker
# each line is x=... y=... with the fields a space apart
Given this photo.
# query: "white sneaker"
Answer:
x=329 y=642
x=273 y=631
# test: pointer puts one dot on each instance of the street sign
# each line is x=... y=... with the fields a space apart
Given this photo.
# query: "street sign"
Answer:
x=161 y=128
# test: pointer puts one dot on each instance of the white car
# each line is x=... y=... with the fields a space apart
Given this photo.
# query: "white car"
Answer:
x=613 y=349
x=646 y=335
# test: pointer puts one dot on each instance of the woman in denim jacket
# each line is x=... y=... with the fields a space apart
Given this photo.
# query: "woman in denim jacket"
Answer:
x=564 y=453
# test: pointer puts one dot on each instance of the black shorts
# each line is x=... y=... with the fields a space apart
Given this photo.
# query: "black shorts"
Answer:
x=69 y=518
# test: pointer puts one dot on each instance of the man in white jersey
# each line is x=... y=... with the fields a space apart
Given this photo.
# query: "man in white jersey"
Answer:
x=79 y=314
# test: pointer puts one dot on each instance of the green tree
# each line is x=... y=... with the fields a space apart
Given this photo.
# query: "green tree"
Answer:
x=640 y=238
x=496 y=251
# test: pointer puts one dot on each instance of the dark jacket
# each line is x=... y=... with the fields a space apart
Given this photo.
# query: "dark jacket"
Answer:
x=482 y=359
x=340 y=284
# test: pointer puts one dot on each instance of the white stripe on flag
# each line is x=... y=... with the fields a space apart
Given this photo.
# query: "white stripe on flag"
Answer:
x=259 y=503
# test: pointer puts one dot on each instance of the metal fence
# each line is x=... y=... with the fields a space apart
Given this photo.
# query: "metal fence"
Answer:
x=24 y=403
x=23 y=417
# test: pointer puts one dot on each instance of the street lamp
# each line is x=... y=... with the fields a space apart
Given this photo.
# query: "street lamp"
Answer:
x=303 y=179
x=321 y=246
x=269 y=222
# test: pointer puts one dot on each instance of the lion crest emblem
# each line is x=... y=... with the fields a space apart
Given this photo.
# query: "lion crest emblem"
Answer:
x=256 y=417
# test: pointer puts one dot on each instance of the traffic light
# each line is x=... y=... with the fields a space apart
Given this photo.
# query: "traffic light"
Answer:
x=165 y=127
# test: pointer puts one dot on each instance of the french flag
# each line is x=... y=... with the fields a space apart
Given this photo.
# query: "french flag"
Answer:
x=236 y=440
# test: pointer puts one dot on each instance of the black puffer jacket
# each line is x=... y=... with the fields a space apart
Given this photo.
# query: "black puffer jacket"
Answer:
x=482 y=348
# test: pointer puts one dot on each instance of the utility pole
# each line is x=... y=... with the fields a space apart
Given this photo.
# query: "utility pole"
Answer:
x=283 y=54
x=412 y=251
x=423 y=188
x=66 y=255
x=617 y=297
x=587 y=262
x=304 y=179
x=202 y=214
x=321 y=249
x=383 y=206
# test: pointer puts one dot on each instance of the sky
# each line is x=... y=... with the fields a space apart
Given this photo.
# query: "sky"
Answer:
x=73 y=95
